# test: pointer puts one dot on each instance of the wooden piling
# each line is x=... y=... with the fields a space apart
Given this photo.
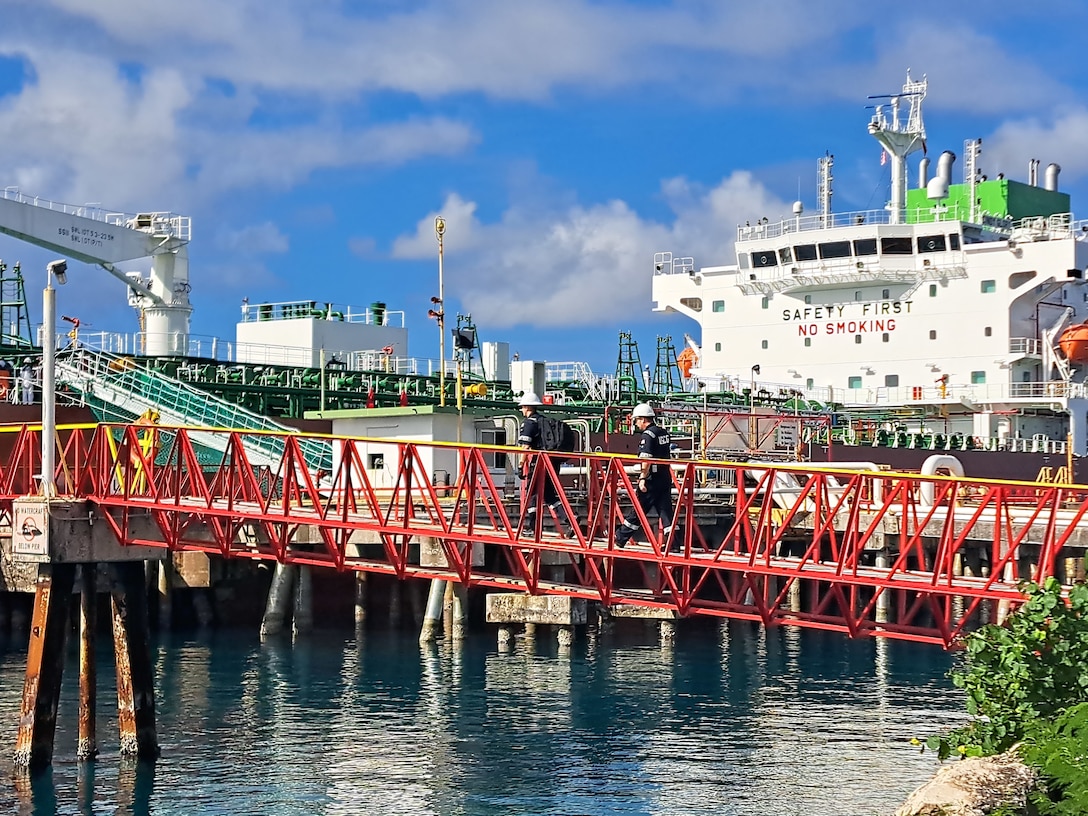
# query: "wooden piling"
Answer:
x=132 y=656
x=87 y=747
x=44 y=665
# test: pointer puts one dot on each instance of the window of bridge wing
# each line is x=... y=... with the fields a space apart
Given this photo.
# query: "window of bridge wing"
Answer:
x=897 y=246
x=931 y=243
x=763 y=258
x=785 y=255
x=835 y=249
x=954 y=241
x=805 y=252
x=865 y=246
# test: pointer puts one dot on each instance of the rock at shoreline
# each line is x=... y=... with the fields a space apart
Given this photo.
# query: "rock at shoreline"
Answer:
x=973 y=787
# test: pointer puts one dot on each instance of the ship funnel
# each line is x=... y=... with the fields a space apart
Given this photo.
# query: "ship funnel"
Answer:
x=944 y=167
x=923 y=173
x=1050 y=181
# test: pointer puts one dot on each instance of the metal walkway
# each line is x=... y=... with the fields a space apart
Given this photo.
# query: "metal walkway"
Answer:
x=111 y=379
x=862 y=552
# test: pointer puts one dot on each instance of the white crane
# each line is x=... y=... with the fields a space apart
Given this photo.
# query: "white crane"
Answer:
x=94 y=236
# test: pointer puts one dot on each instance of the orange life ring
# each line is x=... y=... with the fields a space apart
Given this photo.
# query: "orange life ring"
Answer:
x=387 y=350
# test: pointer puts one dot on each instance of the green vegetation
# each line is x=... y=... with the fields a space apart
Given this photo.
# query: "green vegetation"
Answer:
x=1027 y=685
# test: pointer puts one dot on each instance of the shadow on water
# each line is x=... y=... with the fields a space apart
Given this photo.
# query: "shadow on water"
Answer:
x=729 y=719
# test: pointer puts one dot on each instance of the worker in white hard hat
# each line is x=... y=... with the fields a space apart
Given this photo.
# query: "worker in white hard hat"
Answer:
x=530 y=438
x=654 y=486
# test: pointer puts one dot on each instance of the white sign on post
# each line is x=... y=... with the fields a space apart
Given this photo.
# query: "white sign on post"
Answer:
x=30 y=531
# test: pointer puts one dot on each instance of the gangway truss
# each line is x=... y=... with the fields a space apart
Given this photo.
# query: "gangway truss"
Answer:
x=867 y=553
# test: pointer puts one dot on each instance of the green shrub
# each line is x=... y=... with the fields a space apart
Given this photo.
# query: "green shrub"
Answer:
x=1028 y=670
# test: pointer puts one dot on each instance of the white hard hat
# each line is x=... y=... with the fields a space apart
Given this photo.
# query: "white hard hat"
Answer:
x=643 y=409
x=529 y=398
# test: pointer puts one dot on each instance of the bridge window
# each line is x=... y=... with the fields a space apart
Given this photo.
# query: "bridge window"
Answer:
x=857 y=294
x=988 y=287
x=785 y=255
x=375 y=461
x=891 y=380
x=835 y=249
x=717 y=306
x=742 y=260
x=805 y=252
x=854 y=383
x=885 y=293
x=954 y=241
x=885 y=337
x=978 y=377
x=489 y=436
x=695 y=304
x=865 y=246
x=764 y=259
x=931 y=243
x=857 y=338
x=896 y=246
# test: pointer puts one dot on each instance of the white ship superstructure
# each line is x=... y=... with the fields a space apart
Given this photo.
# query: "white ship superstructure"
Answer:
x=951 y=297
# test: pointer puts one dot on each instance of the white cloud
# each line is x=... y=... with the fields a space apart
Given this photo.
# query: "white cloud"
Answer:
x=584 y=266
x=1064 y=140
x=258 y=239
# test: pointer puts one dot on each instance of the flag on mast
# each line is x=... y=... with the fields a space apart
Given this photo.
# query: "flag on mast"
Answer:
x=883 y=157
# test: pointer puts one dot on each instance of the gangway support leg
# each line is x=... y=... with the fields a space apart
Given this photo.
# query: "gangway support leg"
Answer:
x=279 y=599
x=447 y=611
x=87 y=746
x=428 y=632
x=303 y=619
x=460 y=612
x=881 y=563
x=506 y=639
x=164 y=594
x=132 y=656
x=360 y=598
x=44 y=665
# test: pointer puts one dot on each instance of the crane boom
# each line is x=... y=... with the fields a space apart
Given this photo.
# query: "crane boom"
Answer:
x=96 y=236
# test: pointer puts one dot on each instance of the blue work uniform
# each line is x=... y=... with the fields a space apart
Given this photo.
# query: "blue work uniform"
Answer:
x=529 y=437
x=653 y=444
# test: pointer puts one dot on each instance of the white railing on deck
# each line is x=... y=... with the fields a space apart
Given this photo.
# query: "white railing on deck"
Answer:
x=157 y=223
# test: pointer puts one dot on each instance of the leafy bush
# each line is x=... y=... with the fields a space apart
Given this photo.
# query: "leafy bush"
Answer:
x=1059 y=749
x=1029 y=669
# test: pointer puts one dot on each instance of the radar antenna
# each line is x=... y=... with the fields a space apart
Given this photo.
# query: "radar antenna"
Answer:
x=899 y=139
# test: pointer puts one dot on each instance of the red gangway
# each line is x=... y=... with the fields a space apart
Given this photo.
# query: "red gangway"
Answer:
x=868 y=553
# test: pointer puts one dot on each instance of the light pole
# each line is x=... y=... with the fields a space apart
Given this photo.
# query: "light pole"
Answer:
x=58 y=270
x=440 y=315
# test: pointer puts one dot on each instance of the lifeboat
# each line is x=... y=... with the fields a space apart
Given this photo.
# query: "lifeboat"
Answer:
x=1074 y=343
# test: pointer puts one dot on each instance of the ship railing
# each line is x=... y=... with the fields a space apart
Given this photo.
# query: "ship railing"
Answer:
x=967 y=393
x=666 y=264
x=1026 y=346
x=375 y=315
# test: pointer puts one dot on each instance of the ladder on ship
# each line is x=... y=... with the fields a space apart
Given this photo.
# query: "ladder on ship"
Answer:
x=119 y=381
x=666 y=367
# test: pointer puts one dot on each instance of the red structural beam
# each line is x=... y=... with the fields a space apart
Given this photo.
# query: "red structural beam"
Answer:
x=867 y=553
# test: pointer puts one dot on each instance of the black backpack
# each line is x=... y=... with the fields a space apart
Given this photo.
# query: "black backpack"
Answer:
x=556 y=435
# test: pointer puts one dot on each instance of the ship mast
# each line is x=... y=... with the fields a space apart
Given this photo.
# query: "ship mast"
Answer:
x=900 y=139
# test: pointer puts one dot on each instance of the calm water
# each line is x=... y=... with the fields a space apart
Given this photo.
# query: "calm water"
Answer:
x=729 y=720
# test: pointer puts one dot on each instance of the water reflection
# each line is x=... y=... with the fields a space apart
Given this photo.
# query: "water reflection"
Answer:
x=728 y=719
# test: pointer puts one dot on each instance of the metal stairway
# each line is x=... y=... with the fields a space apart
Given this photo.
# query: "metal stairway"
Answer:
x=108 y=378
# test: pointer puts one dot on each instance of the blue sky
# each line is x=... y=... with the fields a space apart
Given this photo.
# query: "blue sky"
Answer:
x=564 y=142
